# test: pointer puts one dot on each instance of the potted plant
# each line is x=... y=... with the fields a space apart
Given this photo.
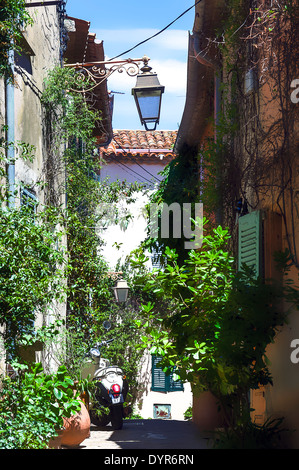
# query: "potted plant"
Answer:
x=33 y=407
x=76 y=428
x=85 y=389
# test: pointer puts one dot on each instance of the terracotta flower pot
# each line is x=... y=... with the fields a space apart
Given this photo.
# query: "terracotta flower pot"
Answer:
x=55 y=442
x=206 y=413
x=76 y=428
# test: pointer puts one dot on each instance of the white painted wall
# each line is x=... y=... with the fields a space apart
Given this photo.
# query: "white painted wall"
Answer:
x=136 y=230
x=179 y=401
x=130 y=239
x=132 y=172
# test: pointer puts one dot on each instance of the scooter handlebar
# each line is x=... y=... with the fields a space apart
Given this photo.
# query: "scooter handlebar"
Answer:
x=96 y=349
x=103 y=343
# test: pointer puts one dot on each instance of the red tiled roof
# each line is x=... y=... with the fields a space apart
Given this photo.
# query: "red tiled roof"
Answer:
x=127 y=144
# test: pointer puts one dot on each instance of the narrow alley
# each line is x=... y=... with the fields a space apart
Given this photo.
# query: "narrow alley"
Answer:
x=147 y=434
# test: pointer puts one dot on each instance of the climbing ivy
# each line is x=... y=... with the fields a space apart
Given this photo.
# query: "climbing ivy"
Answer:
x=30 y=272
x=13 y=18
x=180 y=184
x=90 y=297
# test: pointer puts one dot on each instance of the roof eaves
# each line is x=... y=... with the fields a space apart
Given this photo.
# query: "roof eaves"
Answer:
x=82 y=47
x=203 y=61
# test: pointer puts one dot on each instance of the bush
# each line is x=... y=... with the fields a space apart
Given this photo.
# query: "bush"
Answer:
x=188 y=414
x=32 y=407
x=251 y=436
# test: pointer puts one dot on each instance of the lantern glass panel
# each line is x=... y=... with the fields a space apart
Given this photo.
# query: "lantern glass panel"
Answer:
x=121 y=294
x=149 y=104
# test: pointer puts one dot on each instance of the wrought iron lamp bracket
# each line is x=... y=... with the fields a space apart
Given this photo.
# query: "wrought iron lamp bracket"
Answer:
x=91 y=75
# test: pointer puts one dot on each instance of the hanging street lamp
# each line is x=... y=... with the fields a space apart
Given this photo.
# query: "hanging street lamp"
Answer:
x=121 y=291
x=147 y=92
x=148 y=96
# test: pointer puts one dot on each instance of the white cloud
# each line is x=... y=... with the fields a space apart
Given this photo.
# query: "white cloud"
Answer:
x=168 y=53
x=172 y=74
x=175 y=39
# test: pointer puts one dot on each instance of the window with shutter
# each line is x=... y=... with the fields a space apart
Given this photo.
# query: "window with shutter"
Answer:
x=29 y=200
x=249 y=249
x=162 y=382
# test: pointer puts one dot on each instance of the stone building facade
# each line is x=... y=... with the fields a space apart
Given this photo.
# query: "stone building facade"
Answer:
x=22 y=117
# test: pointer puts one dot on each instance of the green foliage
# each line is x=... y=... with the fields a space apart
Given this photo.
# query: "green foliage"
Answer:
x=180 y=184
x=124 y=350
x=251 y=436
x=32 y=407
x=89 y=284
x=134 y=415
x=217 y=325
x=23 y=150
x=73 y=121
x=33 y=271
x=234 y=18
x=30 y=271
x=62 y=98
x=13 y=17
x=188 y=414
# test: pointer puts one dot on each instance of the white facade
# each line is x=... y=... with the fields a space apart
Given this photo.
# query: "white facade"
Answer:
x=150 y=404
x=169 y=405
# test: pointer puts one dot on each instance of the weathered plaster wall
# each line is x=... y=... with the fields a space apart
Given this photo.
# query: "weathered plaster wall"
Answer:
x=281 y=399
x=43 y=39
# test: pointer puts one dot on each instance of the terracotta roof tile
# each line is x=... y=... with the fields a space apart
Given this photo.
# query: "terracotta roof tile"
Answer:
x=142 y=144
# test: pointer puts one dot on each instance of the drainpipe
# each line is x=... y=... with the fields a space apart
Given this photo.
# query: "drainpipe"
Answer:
x=10 y=133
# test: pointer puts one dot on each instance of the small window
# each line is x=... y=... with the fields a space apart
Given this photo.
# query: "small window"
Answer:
x=162 y=411
x=28 y=201
x=162 y=382
x=23 y=59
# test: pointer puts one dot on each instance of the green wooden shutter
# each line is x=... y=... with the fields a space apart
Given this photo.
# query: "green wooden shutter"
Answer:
x=249 y=249
x=175 y=385
x=162 y=382
x=158 y=376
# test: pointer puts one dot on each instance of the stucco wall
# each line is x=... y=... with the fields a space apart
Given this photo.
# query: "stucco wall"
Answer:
x=132 y=172
x=179 y=401
x=282 y=399
x=43 y=38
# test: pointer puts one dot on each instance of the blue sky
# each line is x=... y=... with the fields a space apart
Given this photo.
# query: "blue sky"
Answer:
x=123 y=24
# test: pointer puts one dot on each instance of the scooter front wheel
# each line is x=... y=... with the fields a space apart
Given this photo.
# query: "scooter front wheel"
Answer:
x=116 y=415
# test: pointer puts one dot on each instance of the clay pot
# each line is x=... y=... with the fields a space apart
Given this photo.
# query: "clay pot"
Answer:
x=206 y=413
x=55 y=442
x=76 y=428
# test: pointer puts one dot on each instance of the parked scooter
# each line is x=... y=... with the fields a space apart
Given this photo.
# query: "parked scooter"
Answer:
x=111 y=389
